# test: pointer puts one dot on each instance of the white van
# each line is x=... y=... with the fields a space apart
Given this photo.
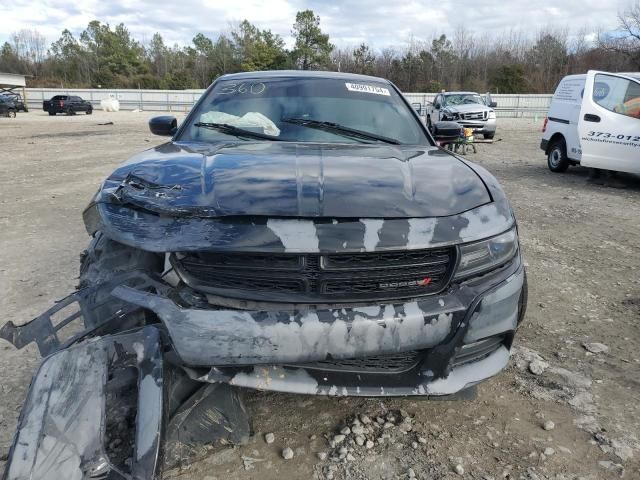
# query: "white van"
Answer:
x=594 y=121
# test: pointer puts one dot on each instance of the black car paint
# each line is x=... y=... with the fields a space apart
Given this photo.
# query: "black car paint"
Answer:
x=17 y=100
x=283 y=179
x=188 y=197
x=7 y=107
x=69 y=104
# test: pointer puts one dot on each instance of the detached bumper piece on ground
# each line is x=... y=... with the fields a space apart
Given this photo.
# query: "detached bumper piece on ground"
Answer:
x=154 y=385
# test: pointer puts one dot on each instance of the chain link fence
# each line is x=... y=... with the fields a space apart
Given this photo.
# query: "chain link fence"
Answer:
x=509 y=106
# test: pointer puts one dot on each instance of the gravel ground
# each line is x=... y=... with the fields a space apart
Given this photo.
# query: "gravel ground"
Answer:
x=576 y=417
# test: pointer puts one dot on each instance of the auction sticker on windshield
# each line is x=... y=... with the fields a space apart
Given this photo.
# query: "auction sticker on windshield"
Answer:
x=359 y=87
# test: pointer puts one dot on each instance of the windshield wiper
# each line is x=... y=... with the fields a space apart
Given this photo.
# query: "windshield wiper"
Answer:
x=340 y=130
x=236 y=131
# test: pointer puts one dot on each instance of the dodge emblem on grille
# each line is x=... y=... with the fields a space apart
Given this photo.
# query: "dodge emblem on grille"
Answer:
x=407 y=283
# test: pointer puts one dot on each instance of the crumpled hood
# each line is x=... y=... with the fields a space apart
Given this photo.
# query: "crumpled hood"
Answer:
x=298 y=180
x=467 y=107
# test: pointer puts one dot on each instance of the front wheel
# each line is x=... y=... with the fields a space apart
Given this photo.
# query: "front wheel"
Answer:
x=51 y=114
x=557 y=157
x=12 y=114
x=89 y=111
x=488 y=136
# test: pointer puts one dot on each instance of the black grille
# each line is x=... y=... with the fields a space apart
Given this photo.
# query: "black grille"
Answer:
x=393 y=363
x=316 y=278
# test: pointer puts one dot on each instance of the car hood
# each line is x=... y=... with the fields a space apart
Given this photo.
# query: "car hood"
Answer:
x=297 y=180
x=468 y=107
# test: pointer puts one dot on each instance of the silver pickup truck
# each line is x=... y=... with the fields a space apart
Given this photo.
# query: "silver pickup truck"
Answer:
x=469 y=109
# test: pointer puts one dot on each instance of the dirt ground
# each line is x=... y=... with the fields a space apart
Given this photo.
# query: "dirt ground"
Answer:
x=582 y=247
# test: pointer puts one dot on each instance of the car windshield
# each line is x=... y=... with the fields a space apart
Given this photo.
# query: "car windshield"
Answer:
x=463 y=99
x=323 y=110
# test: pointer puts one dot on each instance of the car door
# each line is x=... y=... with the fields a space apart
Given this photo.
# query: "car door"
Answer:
x=609 y=122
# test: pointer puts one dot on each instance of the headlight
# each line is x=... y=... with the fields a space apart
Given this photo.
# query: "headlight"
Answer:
x=480 y=257
x=492 y=114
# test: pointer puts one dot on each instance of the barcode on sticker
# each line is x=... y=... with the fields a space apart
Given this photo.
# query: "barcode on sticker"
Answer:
x=359 y=87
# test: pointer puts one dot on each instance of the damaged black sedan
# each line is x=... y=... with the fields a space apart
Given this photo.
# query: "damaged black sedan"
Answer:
x=300 y=232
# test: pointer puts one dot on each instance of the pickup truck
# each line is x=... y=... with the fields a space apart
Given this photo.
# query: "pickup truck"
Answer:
x=469 y=109
x=68 y=104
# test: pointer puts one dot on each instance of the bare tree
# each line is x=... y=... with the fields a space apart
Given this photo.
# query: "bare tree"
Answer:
x=30 y=47
x=626 y=41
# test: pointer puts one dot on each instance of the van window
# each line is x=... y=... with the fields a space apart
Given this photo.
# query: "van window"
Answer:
x=617 y=94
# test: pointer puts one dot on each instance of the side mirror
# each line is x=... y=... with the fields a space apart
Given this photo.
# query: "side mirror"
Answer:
x=164 y=125
x=446 y=131
x=493 y=104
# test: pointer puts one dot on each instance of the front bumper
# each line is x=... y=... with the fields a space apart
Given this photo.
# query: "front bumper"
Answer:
x=478 y=126
x=463 y=336
x=303 y=351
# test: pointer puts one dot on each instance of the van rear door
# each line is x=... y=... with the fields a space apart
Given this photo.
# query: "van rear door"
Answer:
x=609 y=122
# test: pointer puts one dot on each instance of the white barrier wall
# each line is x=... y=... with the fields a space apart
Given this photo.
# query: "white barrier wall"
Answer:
x=512 y=106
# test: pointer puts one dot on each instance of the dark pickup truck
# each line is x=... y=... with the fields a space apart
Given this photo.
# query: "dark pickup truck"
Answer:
x=68 y=104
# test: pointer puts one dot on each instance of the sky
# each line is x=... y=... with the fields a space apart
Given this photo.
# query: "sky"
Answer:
x=349 y=22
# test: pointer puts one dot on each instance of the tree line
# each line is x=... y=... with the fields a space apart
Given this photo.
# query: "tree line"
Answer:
x=512 y=62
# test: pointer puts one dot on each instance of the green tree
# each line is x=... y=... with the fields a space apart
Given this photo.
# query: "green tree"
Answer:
x=9 y=61
x=114 y=54
x=70 y=60
x=201 y=56
x=158 y=55
x=312 y=48
x=364 y=60
x=547 y=61
x=258 y=49
x=223 y=57
x=444 y=57
x=509 y=79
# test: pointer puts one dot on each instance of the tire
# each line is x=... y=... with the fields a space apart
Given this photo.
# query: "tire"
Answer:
x=89 y=111
x=488 y=136
x=11 y=114
x=103 y=260
x=51 y=114
x=26 y=109
x=557 y=156
x=69 y=111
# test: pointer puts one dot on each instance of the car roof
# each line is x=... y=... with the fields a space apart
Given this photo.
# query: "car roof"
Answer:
x=302 y=74
x=461 y=93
